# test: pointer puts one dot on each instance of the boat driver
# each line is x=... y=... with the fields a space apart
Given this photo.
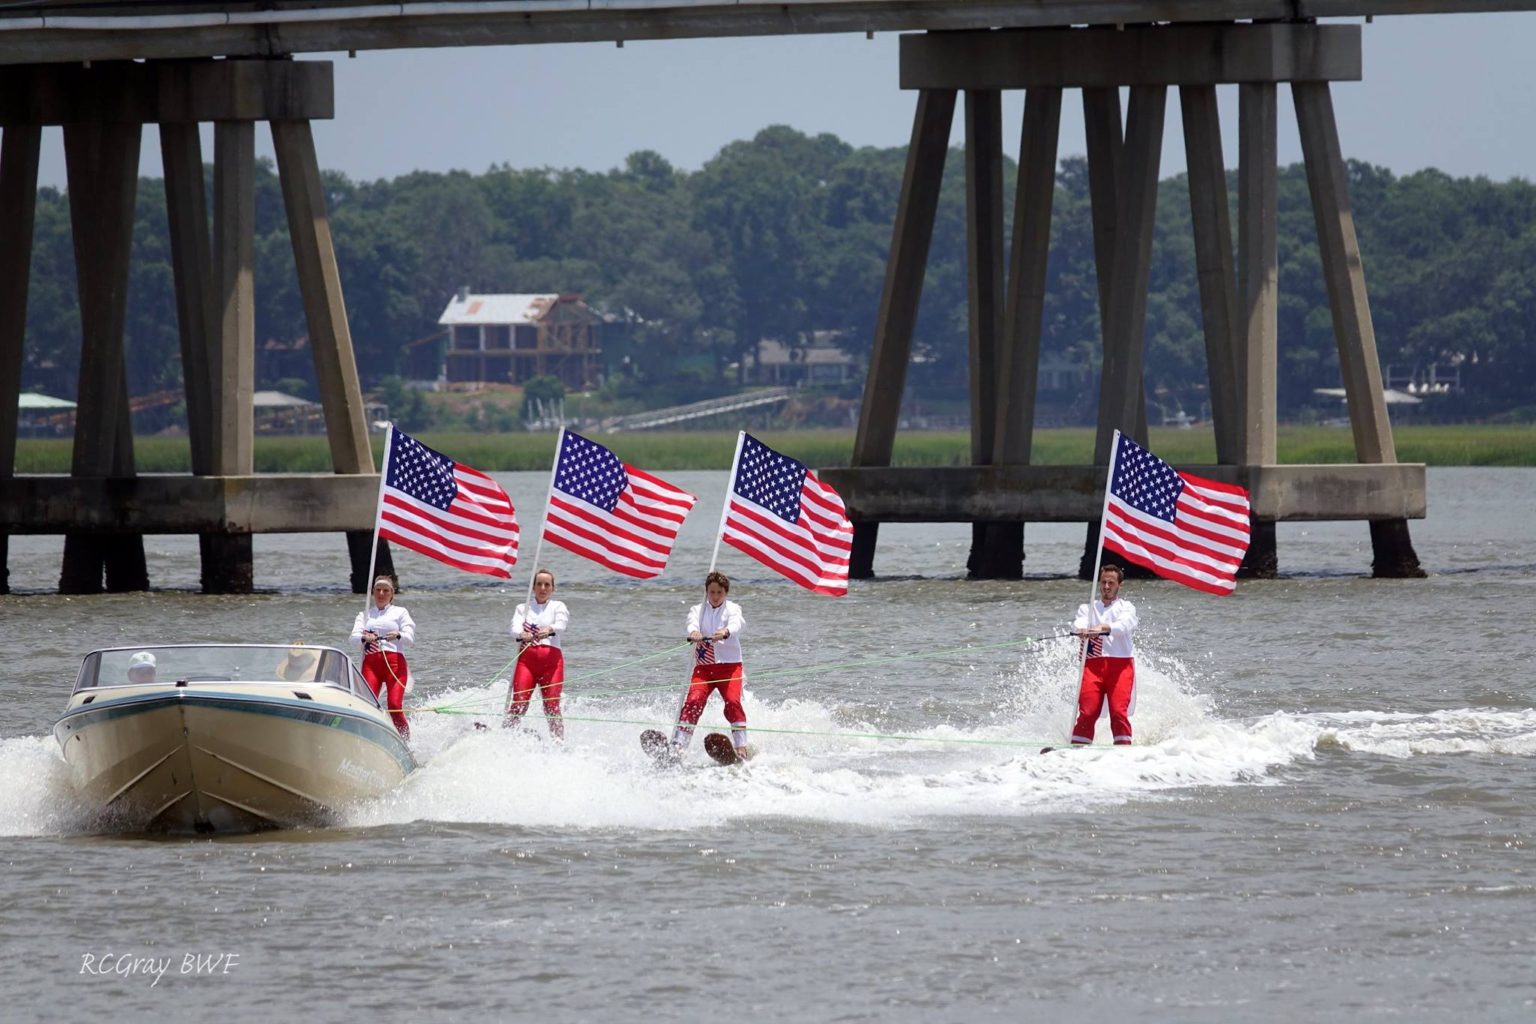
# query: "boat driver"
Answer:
x=298 y=665
x=141 y=668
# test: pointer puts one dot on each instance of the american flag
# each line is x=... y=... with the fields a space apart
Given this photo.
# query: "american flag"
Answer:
x=446 y=510
x=781 y=514
x=1093 y=646
x=706 y=652
x=610 y=512
x=1181 y=526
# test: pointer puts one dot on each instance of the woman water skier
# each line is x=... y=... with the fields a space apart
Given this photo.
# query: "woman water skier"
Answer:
x=383 y=630
x=714 y=627
x=540 y=661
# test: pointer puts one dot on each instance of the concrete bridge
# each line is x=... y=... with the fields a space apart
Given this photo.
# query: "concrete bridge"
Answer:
x=76 y=30
x=68 y=63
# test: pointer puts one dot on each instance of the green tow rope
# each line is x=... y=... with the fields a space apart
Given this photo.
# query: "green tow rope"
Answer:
x=475 y=705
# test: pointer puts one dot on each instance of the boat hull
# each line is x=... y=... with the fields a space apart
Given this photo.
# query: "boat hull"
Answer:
x=189 y=760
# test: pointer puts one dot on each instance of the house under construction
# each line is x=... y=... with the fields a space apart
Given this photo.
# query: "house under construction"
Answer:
x=509 y=339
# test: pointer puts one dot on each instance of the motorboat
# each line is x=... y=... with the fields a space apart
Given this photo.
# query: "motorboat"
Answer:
x=226 y=737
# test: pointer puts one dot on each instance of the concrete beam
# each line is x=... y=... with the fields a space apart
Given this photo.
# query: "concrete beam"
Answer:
x=19 y=151
x=28 y=38
x=1075 y=494
x=896 y=319
x=268 y=503
x=1019 y=358
x=330 y=336
x=181 y=154
x=1344 y=274
x=232 y=362
x=1212 y=224
x=275 y=32
x=1258 y=270
x=984 y=260
x=1122 y=395
x=1078 y=58
x=156 y=93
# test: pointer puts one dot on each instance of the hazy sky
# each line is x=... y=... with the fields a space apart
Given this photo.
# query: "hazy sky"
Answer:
x=1446 y=91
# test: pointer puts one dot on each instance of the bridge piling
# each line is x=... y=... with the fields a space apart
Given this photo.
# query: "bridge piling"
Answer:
x=102 y=165
x=1392 y=551
x=103 y=108
x=1000 y=490
x=896 y=319
x=20 y=147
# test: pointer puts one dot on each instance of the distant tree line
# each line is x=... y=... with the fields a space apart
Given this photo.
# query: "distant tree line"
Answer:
x=787 y=234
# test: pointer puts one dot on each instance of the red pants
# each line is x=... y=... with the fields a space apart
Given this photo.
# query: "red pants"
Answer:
x=728 y=679
x=387 y=670
x=542 y=666
x=1113 y=678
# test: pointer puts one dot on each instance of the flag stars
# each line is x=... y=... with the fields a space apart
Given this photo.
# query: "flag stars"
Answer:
x=590 y=472
x=1145 y=482
x=771 y=480
x=420 y=472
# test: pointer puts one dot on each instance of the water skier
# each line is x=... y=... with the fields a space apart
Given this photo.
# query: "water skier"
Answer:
x=714 y=627
x=1106 y=626
x=384 y=630
x=537 y=626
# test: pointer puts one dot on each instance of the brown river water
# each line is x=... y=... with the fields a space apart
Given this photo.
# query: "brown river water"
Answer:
x=1327 y=814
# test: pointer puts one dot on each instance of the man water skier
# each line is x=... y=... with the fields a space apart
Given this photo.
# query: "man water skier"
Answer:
x=1106 y=626
x=715 y=627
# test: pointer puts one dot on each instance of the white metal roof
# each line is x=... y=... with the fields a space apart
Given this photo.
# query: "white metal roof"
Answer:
x=495 y=309
x=277 y=400
x=1391 y=396
x=33 y=400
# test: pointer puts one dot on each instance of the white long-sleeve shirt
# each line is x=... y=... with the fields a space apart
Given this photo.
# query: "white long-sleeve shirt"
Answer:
x=389 y=619
x=706 y=619
x=549 y=615
x=1119 y=616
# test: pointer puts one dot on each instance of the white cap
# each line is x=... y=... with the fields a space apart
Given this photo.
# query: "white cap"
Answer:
x=142 y=659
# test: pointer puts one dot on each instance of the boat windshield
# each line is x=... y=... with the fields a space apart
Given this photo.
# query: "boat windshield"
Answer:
x=212 y=663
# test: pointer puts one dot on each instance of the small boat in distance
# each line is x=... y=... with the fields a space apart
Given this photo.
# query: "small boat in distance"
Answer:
x=226 y=737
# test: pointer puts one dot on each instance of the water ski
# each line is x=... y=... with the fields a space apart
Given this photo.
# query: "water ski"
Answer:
x=719 y=747
x=654 y=742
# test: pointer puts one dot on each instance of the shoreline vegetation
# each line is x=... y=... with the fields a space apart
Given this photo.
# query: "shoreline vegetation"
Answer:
x=1458 y=445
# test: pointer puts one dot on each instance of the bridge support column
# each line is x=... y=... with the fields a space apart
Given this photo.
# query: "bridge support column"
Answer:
x=1239 y=311
x=1391 y=548
x=897 y=317
x=228 y=561
x=103 y=108
x=19 y=149
x=1258 y=283
x=102 y=164
x=1122 y=398
x=1018 y=357
x=330 y=336
x=996 y=548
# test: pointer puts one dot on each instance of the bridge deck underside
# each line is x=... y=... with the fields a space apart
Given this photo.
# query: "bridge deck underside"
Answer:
x=46 y=32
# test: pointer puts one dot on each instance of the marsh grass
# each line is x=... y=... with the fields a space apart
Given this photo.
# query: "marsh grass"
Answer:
x=1458 y=445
